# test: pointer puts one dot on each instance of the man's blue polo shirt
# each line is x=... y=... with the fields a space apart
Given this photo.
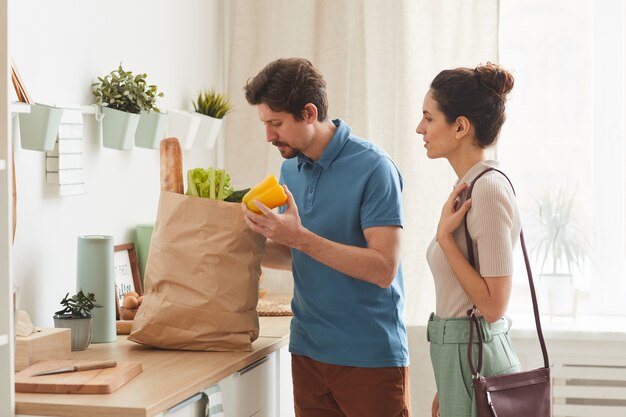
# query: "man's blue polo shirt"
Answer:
x=338 y=319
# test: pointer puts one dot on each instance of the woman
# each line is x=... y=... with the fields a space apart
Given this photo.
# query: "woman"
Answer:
x=462 y=115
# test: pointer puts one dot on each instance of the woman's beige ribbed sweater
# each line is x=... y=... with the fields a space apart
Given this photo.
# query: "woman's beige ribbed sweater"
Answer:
x=494 y=225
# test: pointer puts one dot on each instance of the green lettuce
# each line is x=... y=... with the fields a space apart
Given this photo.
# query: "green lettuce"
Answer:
x=209 y=183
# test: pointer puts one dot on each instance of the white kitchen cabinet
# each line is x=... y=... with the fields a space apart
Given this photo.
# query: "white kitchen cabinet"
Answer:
x=194 y=406
x=262 y=389
x=7 y=395
x=269 y=411
x=284 y=384
x=252 y=390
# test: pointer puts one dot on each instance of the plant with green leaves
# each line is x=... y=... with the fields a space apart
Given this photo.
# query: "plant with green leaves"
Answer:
x=560 y=242
x=78 y=306
x=213 y=104
x=121 y=90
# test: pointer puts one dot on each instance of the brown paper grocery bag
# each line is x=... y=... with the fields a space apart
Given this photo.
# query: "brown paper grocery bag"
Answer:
x=201 y=285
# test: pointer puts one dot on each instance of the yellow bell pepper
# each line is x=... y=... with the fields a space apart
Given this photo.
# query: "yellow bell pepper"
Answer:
x=268 y=192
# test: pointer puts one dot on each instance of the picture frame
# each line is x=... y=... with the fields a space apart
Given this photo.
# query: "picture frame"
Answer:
x=125 y=272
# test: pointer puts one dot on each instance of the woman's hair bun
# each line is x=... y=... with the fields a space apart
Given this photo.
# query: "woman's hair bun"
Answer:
x=495 y=78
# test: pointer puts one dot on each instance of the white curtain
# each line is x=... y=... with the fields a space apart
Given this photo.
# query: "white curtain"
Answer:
x=378 y=58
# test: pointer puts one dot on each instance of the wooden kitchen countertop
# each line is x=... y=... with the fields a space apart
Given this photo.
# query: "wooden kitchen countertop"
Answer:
x=168 y=377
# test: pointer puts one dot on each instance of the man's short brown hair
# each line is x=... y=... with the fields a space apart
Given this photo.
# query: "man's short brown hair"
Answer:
x=287 y=85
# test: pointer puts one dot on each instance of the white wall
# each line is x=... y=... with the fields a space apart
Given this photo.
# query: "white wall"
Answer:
x=59 y=48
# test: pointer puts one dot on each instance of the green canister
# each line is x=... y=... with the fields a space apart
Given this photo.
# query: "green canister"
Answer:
x=94 y=273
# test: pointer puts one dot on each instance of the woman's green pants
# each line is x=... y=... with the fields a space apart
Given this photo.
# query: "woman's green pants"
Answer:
x=448 y=352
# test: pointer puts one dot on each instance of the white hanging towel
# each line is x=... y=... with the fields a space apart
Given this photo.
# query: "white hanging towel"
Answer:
x=64 y=164
x=215 y=401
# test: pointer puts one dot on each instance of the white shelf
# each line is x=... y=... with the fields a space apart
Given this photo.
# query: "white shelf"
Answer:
x=89 y=109
x=4 y=339
x=19 y=108
x=3 y=164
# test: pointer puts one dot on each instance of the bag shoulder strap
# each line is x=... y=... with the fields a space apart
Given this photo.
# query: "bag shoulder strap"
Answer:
x=474 y=322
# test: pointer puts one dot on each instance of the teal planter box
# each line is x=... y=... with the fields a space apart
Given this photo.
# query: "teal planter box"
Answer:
x=151 y=129
x=118 y=129
x=39 y=128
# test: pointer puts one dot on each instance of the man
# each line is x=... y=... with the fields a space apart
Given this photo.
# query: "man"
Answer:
x=339 y=234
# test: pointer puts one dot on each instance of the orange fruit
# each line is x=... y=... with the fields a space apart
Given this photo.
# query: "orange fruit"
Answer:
x=127 y=314
x=130 y=301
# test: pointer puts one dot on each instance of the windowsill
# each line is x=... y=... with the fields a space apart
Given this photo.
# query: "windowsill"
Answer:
x=581 y=327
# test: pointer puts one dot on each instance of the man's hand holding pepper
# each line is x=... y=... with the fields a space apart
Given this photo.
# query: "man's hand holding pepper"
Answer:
x=283 y=228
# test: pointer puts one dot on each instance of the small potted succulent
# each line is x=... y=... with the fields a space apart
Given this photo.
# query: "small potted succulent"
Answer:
x=124 y=97
x=212 y=107
x=76 y=315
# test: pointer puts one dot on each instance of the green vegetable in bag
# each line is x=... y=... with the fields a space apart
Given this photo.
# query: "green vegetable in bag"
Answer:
x=237 y=196
x=209 y=183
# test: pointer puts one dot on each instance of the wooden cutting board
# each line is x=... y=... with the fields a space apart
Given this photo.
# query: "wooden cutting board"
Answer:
x=95 y=381
x=123 y=326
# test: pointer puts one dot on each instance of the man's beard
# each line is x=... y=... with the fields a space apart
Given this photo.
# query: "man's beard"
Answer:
x=285 y=150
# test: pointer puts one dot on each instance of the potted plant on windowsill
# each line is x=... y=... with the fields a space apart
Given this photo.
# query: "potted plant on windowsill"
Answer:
x=560 y=244
x=212 y=107
x=123 y=97
x=76 y=315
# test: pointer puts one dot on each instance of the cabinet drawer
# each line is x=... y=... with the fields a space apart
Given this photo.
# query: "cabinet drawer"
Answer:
x=269 y=411
x=194 y=406
x=251 y=389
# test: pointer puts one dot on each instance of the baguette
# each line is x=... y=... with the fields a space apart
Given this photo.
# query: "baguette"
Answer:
x=171 y=166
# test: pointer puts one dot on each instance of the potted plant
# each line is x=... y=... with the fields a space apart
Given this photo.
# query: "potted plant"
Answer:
x=123 y=97
x=76 y=315
x=212 y=107
x=561 y=246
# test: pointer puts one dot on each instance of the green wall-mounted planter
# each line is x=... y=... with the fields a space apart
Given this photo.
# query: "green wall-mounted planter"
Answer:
x=207 y=132
x=151 y=129
x=39 y=128
x=118 y=129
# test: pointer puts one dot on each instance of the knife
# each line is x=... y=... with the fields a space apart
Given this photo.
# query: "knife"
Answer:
x=76 y=368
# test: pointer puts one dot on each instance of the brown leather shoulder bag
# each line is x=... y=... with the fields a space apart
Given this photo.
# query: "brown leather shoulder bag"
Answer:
x=519 y=394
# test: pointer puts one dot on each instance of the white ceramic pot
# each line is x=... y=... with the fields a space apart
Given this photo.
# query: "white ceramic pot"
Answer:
x=183 y=125
x=81 y=330
x=207 y=132
x=558 y=295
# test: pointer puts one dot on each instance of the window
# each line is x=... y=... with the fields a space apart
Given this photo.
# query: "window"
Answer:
x=565 y=134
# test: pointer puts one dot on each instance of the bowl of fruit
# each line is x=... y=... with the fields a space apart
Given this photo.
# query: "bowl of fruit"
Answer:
x=130 y=304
